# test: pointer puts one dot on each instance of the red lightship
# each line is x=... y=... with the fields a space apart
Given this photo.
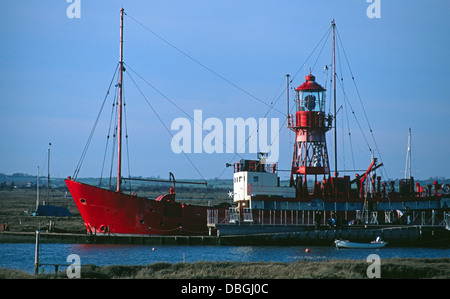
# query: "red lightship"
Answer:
x=114 y=212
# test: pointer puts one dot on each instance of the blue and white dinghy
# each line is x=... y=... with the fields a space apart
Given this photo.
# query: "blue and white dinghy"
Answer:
x=378 y=243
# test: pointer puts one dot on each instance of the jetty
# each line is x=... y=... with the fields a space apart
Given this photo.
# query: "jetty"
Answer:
x=401 y=235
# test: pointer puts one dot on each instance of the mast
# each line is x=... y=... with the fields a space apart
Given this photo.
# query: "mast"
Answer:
x=48 y=174
x=333 y=25
x=287 y=92
x=37 y=184
x=119 y=150
x=408 y=157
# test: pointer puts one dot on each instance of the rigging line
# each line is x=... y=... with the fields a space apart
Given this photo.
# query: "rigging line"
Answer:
x=83 y=155
x=284 y=122
x=413 y=157
x=292 y=108
x=202 y=65
x=212 y=191
x=174 y=104
x=348 y=127
x=157 y=90
x=265 y=115
x=206 y=193
x=343 y=142
x=330 y=95
x=280 y=87
x=256 y=130
x=108 y=136
x=115 y=128
x=326 y=76
x=303 y=65
x=360 y=100
x=353 y=112
x=318 y=56
x=353 y=78
x=164 y=125
x=126 y=138
x=338 y=54
x=349 y=136
x=285 y=119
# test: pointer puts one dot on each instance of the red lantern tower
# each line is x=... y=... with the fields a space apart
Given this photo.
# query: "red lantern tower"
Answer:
x=310 y=125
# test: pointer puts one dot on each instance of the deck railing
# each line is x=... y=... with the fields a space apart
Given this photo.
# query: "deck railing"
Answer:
x=324 y=217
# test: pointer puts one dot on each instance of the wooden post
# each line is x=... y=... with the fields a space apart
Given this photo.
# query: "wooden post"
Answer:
x=36 y=254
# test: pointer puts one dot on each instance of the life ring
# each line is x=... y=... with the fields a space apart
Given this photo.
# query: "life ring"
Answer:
x=446 y=188
x=103 y=228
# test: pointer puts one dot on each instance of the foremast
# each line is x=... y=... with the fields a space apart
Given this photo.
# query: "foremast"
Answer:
x=119 y=129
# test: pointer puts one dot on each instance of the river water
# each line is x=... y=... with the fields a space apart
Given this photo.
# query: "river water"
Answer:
x=21 y=256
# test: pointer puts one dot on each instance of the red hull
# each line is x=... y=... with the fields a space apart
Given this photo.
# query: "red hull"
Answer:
x=106 y=211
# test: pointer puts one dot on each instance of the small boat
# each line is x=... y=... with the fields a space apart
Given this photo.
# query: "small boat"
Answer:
x=378 y=243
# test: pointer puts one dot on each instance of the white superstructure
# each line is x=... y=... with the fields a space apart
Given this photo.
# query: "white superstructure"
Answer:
x=255 y=182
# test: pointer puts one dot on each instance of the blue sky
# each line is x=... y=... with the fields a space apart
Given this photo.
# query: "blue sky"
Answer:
x=56 y=70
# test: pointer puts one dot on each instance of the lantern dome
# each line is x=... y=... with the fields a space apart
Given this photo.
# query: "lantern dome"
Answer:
x=310 y=84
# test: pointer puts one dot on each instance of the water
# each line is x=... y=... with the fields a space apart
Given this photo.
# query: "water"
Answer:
x=21 y=256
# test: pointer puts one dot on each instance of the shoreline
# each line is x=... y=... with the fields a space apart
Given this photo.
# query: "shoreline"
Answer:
x=395 y=268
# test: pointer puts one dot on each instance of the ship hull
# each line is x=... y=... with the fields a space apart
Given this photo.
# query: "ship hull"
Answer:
x=108 y=212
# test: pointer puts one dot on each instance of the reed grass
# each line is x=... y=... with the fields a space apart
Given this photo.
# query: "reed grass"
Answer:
x=410 y=268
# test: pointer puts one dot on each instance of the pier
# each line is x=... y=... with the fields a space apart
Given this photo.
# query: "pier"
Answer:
x=406 y=235
x=411 y=235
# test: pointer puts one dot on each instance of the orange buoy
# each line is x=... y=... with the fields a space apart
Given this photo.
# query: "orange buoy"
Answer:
x=307 y=250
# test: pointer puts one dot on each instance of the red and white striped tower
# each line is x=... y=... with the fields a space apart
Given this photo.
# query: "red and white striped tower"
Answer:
x=310 y=125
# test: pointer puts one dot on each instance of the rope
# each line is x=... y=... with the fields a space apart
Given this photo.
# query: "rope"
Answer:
x=361 y=102
x=257 y=130
x=164 y=125
x=83 y=155
x=356 y=119
x=114 y=141
x=295 y=75
x=202 y=65
x=328 y=34
x=174 y=104
x=107 y=137
x=126 y=140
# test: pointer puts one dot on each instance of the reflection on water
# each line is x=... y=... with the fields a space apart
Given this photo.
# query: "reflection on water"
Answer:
x=21 y=256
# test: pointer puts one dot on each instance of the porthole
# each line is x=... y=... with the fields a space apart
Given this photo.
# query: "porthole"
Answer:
x=83 y=201
x=103 y=228
x=141 y=221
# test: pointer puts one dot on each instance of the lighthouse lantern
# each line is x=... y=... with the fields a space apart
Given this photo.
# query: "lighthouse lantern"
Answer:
x=311 y=96
x=310 y=155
